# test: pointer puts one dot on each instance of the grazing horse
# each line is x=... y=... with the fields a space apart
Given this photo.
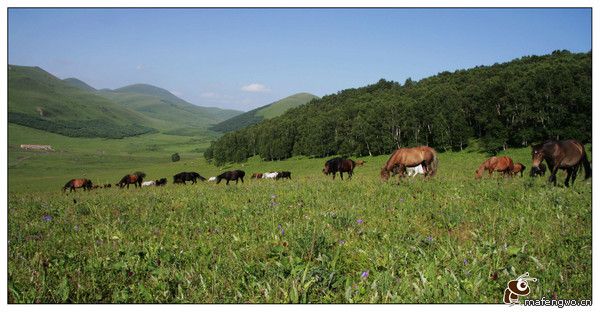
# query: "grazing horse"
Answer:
x=518 y=168
x=568 y=155
x=502 y=164
x=270 y=175
x=411 y=157
x=340 y=165
x=148 y=183
x=539 y=171
x=187 y=176
x=284 y=175
x=231 y=175
x=78 y=183
x=161 y=182
x=256 y=176
x=135 y=178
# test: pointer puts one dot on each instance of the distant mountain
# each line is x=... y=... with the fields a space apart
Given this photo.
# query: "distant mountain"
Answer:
x=264 y=112
x=74 y=82
x=166 y=108
x=40 y=100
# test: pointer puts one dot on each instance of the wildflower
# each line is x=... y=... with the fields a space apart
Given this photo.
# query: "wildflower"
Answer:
x=465 y=261
x=359 y=221
x=281 y=230
x=401 y=200
x=342 y=242
x=429 y=238
x=47 y=218
x=273 y=196
x=365 y=274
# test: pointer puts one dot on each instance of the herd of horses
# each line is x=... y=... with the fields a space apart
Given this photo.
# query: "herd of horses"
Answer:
x=568 y=155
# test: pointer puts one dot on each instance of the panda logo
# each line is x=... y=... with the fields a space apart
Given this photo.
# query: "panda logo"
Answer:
x=517 y=287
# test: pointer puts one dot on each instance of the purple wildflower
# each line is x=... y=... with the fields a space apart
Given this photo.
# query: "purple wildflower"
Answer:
x=281 y=230
x=401 y=200
x=429 y=238
x=47 y=218
x=342 y=242
x=365 y=274
x=359 y=221
x=465 y=261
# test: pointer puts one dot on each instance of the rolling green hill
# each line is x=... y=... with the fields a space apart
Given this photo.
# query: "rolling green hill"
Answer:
x=40 y=100
x=173 y=114
x=79 y=84
x=264 y=112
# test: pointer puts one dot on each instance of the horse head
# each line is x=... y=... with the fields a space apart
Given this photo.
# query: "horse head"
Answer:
x=385 y=174
x=537 y=155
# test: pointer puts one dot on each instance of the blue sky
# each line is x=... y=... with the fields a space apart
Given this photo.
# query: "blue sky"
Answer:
x=245 y=58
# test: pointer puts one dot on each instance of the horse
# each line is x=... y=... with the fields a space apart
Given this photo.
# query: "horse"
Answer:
x=284 y=175
x=135 y=178
x=161 y=182
x=340 y=165
x=413 y=171
x=568 y=155
x=74 y=184
x=231 y=175
x=539 y=171
x=257 y=176
x=270 y=175
x=148 y=183
x=518 y=168
x=411 y=157
x=502 y=164
x=187 y=176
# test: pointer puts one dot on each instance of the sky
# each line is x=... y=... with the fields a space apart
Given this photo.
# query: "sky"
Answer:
x=245 y=58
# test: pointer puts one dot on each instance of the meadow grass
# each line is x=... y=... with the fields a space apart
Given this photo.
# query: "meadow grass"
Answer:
x=446 y=239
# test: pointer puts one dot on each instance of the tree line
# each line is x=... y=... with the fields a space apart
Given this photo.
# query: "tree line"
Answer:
x=512 y=104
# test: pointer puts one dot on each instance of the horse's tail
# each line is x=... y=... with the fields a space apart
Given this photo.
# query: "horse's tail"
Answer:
x=434 y=163
x=586 y=166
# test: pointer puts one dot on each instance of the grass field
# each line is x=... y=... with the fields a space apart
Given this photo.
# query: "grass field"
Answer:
x=310 y=239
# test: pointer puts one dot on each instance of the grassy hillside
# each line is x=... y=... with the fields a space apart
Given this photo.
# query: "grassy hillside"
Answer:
x=448 y=239
x=264 y=112
x=175 y=115
x=79 y=84
x=39 y=100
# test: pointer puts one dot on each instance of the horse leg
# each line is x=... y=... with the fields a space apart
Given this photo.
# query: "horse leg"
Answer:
x=569 y=173
x=334 y=174
x=574 y=175
x=242 y=178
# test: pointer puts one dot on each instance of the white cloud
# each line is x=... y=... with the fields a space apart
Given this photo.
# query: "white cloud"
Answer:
x=255 y=87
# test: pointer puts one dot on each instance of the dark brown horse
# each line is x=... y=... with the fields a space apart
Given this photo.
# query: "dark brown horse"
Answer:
x=411 y=157
x=568 y=155
x=256 y=176
x=78 y=183
x=135 y=178
x=502 y=164
x=340 y=165
x=518 y=168
x=231 y=175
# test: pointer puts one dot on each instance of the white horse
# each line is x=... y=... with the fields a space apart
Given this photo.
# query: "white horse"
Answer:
x=270 y=175
x=413 y=171
x=148 y=183
x=212 y=179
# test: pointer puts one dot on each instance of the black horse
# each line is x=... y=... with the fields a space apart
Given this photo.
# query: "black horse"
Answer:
x=340 y=165
x=539 y=171
x=231 y=175
x=187 y=176
x=283 y=175
x=161 y=182
x=567 y=155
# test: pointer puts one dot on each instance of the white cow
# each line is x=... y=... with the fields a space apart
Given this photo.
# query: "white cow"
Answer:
x=270 y=175
x=413 y=171
x=148 y=183
x=212 y=179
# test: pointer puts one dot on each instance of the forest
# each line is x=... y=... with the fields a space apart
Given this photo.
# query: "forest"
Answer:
x=513 y=104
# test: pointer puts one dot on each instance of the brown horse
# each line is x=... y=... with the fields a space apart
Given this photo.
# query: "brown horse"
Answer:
x=256 y=176
x=135 y=178
x=78 y=183
x=502 y=164
x=340 y=165
x=411 y=157
x=568 y=155
x=518 y=168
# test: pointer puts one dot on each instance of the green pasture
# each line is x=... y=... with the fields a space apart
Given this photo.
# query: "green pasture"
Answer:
x=309 y=239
